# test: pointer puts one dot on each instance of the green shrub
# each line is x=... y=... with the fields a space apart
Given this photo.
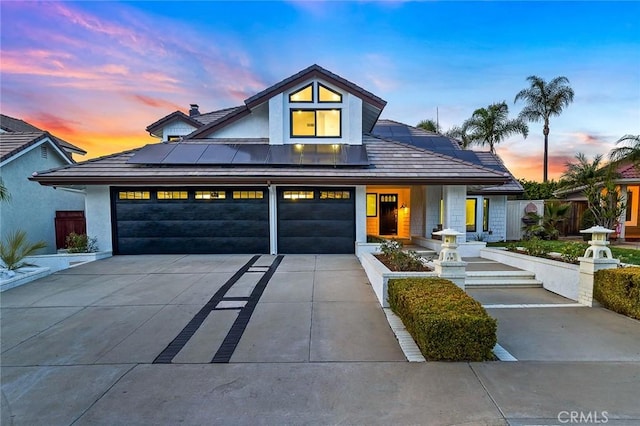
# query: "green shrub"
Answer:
x=446 y=323
x=536 y=247
x=81 y=243
x=15 y=248
x=570 y=252
x=619 y=290
x=398 y=260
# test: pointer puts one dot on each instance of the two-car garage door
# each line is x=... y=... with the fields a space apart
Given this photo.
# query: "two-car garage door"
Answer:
x=232 y=220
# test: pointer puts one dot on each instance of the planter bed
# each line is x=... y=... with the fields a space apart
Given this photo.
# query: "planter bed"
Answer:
x=58 y=262
x=22 y=276
x=379 y=276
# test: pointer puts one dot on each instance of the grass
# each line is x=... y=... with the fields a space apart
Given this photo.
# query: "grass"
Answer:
x=626 y=255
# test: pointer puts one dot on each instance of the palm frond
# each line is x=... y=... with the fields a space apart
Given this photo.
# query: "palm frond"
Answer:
x=16 y=247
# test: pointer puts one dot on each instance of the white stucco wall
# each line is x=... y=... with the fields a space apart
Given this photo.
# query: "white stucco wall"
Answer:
x=98 y=214
x=32 y=207
x=276 y=120
x=177 y=128
x=432 y=214
x=254 y=125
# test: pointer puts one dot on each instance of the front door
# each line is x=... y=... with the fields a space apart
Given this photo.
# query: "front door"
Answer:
x=388 y=214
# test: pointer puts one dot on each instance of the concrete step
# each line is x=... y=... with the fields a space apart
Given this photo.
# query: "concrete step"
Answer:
x=501 y=279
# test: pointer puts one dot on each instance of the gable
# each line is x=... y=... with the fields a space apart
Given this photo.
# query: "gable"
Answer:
x=16 y=145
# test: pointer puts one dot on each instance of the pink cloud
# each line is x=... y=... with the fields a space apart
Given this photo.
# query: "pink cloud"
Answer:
x=154 y=102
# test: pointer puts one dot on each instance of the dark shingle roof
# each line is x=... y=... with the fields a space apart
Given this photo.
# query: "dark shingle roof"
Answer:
x=390 y=163
x=16 y=142
x=12 y=125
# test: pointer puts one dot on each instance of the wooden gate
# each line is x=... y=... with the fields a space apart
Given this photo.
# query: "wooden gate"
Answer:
x=67 y=222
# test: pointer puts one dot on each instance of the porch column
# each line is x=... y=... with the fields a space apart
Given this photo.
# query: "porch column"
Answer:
x=432 y=210
x=455 y=211
x=273 y=219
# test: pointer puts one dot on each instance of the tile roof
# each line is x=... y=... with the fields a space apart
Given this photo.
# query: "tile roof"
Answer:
x=16 y=142
x=10 y=124
x=390 y=163
x=629 y=171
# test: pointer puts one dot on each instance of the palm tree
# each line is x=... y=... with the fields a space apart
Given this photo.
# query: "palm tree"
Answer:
x=542 y=101
x=429 y=125
x=491 y=125
x=4 y=192
x=583 y=172
x=460 y=133
x=629 y=152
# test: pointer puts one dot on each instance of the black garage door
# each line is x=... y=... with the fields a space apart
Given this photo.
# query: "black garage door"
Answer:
x=316 y=220
x=194 y=220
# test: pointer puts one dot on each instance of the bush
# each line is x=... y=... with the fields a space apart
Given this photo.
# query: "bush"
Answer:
x=446 y=323
x=15 y=248
x=536 y=247
x=619 y=290
x=398 y=260
x=570 y=252
x=81 y=243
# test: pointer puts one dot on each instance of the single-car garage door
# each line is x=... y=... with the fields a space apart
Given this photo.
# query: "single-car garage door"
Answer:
x=316 y=220
x=193 y=220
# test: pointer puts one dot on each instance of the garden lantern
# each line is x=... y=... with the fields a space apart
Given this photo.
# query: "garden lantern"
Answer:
x=598 y=244
x=449 y=252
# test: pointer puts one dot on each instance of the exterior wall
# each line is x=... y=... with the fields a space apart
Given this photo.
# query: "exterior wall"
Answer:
x=497 y=218
x=455 y=198
x=432 y=219
x=32 y=207
x=279 y=118
x=178 y=128
x=515 y=213
x=254 y=125
x=404 y=215
x=361 y=214
x=98 y=215
x=417 y=215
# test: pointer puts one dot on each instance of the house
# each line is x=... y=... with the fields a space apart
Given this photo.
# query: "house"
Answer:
x=25 y=149
x=628 y=182
x=305 y=166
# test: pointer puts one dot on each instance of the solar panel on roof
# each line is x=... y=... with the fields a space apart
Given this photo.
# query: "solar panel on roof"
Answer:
x=185 y=154
x=152 y=154
x=218 y=154
x=251 y=154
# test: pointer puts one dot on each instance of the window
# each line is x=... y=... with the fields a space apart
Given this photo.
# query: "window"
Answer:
x=335 y=195
x=303 y=95
x=629 y=213
x=471 y=214
x=134 y=195
x=372 y=205
x=247 y=195
x=174 y=138
x=320 y=123
x=172 y=195
x=210 y=195
x=328 y=95
x=485 y=215
x=298 y=195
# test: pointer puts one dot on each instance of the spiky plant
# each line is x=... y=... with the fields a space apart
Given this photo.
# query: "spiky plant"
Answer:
x=16 y=247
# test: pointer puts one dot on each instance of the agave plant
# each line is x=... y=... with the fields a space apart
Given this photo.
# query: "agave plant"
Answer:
x=15 y=248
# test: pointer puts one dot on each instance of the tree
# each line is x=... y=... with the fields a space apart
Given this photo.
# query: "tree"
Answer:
x=630 y=151
x=4 y=192
x=544 y=100
x=537 y=190
x=429 y=125
x=491 y=125
x=460 y=133
x=599 y=188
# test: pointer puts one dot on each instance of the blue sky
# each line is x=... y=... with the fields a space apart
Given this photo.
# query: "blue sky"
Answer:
x=97 y=73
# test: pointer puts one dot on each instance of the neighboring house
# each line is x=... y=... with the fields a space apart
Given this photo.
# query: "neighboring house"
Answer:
x=25 y=149
x=305 y=166
x=628 y=182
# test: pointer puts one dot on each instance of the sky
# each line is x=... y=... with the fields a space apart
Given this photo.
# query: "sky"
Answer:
x=98 y=73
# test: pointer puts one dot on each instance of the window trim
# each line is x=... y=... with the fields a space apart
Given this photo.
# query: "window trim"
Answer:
x=291 y=101
x=486 y=205
x=315 y=127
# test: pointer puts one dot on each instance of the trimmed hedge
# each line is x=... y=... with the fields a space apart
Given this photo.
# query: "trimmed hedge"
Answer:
x=619 y=290
x=446 y=323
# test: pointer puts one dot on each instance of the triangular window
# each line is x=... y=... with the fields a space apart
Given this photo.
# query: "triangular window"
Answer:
x=303 y=95
x=327 y=95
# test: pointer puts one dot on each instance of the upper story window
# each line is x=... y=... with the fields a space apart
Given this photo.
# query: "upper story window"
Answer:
x=310 y=122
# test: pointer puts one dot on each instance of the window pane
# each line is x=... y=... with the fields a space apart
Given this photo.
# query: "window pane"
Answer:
x=303 y=123
x=210 y=195
x=134 y=195
x=248 y=195
x=471 y=214
x=328 y=122
x=485 y=215
x=372 y=205
x=327 y=95
x=629 y=206
x=172 y=195
x=335 y=195
x=303 y=95
x=298 y=195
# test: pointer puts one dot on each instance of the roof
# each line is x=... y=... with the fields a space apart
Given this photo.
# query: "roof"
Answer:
x=389 y=163
x=445 y=145
x=12 y=144
x=629 y=171
x=196 y=121
x=13 y=125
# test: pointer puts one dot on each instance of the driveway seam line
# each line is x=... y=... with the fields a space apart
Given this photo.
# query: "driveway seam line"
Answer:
x=495 y=403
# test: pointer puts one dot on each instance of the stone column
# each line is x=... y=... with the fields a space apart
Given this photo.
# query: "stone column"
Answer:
x=588 y=267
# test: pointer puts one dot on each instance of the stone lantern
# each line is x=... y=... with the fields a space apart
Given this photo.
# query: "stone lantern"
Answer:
x=598 y=244
x=449 y=252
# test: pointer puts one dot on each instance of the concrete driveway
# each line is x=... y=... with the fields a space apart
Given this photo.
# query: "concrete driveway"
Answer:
x=146 y=340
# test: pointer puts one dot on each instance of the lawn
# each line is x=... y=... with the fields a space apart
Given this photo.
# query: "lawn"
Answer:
x=626 y=255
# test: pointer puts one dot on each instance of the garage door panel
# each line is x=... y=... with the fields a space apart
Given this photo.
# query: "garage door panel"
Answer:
x=191 y=225
x=320 y=245
x=315 y=228
x=316 y=211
